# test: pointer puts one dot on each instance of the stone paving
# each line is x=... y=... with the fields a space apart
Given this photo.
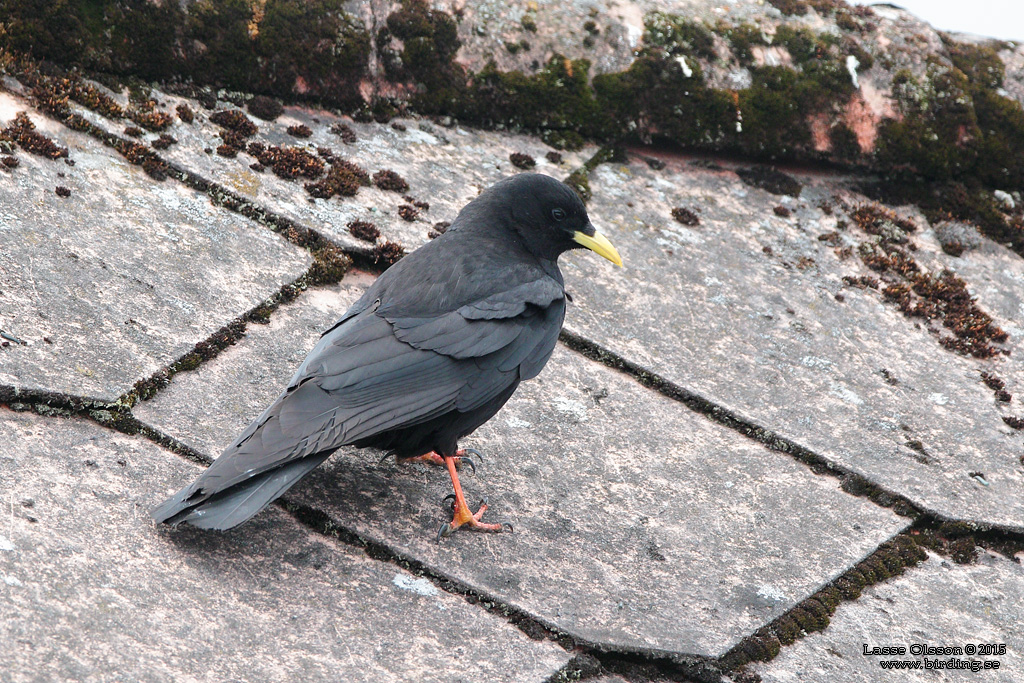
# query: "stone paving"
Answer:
x=728 y=438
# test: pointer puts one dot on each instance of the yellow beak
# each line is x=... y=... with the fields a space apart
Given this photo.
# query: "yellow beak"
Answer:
x=598 y=244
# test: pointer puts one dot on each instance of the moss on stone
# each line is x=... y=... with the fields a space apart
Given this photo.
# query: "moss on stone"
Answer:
x=429 y=40
x=556 y=97
x=741 y=39
x=678 y=35
x=296 y=48
x=654 y=96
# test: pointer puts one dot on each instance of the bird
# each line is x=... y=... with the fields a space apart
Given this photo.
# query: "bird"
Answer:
x=430 y=351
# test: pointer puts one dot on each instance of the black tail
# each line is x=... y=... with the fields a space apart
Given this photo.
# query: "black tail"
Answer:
x=235 y=504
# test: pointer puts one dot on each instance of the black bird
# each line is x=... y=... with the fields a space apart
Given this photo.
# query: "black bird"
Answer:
x=432 y=350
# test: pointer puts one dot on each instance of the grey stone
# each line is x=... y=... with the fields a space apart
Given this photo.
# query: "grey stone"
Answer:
x=90 y=590
x=638 y=523
x=445 y=167
x=957 y=234
x=939 y=605
x=762 y=334
x=123 y=276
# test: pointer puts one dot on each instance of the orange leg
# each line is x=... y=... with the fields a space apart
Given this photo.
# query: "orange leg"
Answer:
x=462 y=515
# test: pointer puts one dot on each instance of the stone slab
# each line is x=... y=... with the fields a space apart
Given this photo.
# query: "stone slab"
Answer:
x=123 y=276
x=640 y=525
x=938 y=604
x=742 y=310
x=445 y=167
x=91 y=591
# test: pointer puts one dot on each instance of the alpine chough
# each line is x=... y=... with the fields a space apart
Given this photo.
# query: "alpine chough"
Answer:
x=432 y=350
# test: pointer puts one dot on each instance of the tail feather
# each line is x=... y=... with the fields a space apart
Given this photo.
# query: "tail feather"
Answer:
x=235 y=504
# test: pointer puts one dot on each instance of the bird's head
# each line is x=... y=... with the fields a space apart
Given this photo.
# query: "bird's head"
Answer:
x=549 y=216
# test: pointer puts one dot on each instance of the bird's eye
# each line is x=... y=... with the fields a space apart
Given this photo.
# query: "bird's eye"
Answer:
x=558 y=214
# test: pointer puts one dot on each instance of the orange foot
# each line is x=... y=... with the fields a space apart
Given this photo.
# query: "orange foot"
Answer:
x=432 y=458
x=462 y=516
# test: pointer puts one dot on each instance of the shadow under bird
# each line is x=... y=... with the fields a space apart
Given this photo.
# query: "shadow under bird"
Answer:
x=431 y=351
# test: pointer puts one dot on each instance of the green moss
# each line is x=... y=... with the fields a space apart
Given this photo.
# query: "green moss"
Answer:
x=126 y=36
x=654 y=94
x=938 y=133
x=556 y=97
x=678 y=35
x=430 y=41
x=844 y=142
x=562 y=139
x=790 y=7
x=312 y=48
x=223 y=43
x=865 y=61
x=804 y=45
x=742 y=38
x=776 y=106
x=222 y=52
x=579 y=180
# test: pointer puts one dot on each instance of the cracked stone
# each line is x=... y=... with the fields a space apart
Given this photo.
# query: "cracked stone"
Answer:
x=639 y=524
x=125 y=276
x=742 y=311
x=93 y=591
x=938 y=604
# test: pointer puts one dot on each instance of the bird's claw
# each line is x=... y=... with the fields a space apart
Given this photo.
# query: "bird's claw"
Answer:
x=473 y=451
x=451 y=497
x=444 y=532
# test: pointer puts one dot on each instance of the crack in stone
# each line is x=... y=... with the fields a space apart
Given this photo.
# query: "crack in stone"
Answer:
x=851 y=482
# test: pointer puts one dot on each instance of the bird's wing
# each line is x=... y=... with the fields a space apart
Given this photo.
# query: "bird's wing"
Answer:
x=509 y=335
x=482 y=326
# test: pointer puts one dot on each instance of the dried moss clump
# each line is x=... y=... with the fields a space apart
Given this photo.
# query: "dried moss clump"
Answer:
x=1014 y=422
x=163 y=142
x=685 y=216
x=146 y=115
x=330 y=264
x=237 y=128
x=140 y=155
x=236 y=121
x=300 y=130
x=266 y=108
x=364 y=230
x=408 y=212
x=389 y=180
x=438 y=229
x=771 y=180
x=348 y=136
x=22 y=131
x=291 y=162
x=185 y=113
x=388 y=253
x=344 y=178
x=522 y=160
